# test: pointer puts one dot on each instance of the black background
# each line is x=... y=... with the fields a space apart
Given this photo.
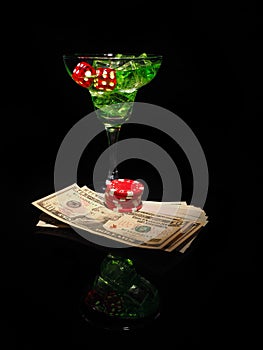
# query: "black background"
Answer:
x=211 y=78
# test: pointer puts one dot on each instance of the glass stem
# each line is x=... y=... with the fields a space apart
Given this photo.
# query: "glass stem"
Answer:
x=113 y=137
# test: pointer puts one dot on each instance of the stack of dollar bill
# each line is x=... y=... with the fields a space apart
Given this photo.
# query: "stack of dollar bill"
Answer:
x=167 y=226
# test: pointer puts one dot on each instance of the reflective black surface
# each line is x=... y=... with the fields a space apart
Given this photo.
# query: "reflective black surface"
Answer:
x=210 y=78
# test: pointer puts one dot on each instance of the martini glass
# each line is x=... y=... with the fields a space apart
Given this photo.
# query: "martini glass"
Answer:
x=119 y=298
x=113 y=81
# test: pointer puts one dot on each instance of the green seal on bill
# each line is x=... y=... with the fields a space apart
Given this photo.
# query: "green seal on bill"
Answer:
x=143 y=228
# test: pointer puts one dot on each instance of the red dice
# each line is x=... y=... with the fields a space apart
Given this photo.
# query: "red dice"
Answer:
x=83 y=74
x=105 y=79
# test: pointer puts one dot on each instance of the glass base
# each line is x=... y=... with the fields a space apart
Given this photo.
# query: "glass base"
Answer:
x=99 y=186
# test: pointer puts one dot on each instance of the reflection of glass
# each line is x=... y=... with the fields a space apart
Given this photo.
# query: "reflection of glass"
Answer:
x=113 y=81
x=119 y=297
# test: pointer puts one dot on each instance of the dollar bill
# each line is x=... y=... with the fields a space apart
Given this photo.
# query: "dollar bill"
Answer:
x=48 y=224
x=175 y=209
x=189 y=219
x=84 y=209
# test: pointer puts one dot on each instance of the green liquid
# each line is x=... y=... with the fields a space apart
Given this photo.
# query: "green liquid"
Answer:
x=115 y=107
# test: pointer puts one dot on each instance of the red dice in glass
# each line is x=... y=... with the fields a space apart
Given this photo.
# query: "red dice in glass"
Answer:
x=83 y=74
x=105 y=80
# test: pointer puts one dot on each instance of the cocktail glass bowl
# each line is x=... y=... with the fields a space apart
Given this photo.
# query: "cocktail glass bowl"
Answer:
x=113 y=81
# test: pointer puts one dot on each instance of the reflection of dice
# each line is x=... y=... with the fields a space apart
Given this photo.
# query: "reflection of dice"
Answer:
x=109 y=302
x=83 y=74
x=105 y=80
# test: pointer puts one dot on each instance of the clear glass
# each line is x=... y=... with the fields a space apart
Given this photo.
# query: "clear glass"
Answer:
x=112 y=81
x=119 y=298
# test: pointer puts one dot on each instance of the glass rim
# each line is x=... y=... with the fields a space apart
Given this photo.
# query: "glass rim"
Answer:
x=112 y=56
